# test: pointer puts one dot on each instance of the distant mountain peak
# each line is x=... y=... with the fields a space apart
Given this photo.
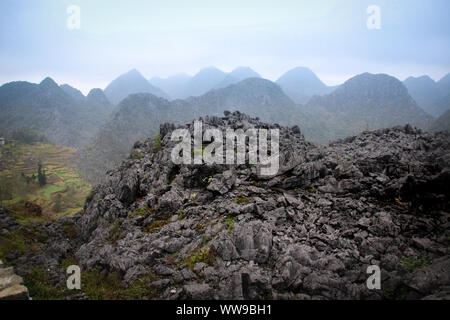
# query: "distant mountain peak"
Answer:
x=48 y=83
x=73 y=92
x=129 y=83
x=97 y=97
x=423 y=78
x=301 y=84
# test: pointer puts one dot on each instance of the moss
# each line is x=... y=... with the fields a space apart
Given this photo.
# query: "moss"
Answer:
x=113 y=236
x=136 y=155
x=207 y=181
x=242 y=200
x=229 y=222
x=70 y=231
x=157 y=146
x=90 y=196
x=12 y=242
x=181 y=215
x=140 y=211
x=99 y=286
x=156 y=226
x=40 y=287
x=311 y=190
x=414 y=264
x=205 y=255
x=68 y=261
x=193 y=196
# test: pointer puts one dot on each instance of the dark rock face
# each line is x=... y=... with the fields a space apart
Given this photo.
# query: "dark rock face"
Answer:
x=309 y=232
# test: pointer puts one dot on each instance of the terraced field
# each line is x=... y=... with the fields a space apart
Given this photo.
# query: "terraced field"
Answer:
x=63 y=194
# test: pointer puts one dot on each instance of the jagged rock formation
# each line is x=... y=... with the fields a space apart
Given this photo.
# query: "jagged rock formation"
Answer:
x=139 y=117
x=309 y=232
x=11 y=287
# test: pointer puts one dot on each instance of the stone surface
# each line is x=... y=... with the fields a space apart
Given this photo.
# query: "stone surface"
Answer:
x=308 y=232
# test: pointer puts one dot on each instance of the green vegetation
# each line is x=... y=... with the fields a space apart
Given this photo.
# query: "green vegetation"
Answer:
x=311 y=190
x=95 y=284
x=40 y=288
x=114 y=233
x=70 y=231
x=21 y=240
x=414 y=264
x=204 y=255
x=155 y=226
x=26 y=135
x=42 y=179
x=181 y=215
x=12 y=242
x=242 y=200
x=90 y=195
x=229 y=222
x=157 y=143
x=41 y=174
x=207 y=180
x=193 y=196
x=136 y=155
x=140 y=211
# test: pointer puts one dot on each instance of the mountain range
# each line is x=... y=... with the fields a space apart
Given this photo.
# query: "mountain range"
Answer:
x=105 y=124
x=432 y=96
x=64 y=115
x=182 y=86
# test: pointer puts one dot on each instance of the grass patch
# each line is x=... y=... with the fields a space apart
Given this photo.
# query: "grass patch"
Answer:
x=414 y=264
x=229 y=222
x=40 y=288
x=157 y=146
x=140 y=211
x=242 y=200
x=311 y=190
x=156 y=226
x=19 y=183
x=204 y=255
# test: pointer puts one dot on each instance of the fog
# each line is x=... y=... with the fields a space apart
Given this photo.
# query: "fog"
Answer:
x=161 y=38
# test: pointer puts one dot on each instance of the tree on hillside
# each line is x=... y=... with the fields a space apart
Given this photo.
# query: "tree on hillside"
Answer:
x=42 y=179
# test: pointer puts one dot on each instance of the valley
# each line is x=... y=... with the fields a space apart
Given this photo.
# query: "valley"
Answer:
x=64 y=192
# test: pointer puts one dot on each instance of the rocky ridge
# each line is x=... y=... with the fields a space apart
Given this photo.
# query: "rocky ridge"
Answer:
x=310 y=232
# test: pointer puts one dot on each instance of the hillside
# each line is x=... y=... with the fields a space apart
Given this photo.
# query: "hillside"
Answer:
x=368 y=102
x=426 y=92
x=139 y=116
x=157 y=230
x=47 y=108
x=62 y=195
x=442 y=123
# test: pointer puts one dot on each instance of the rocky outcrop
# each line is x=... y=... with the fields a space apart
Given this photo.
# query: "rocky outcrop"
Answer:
x=308 y=232
x=11 y=287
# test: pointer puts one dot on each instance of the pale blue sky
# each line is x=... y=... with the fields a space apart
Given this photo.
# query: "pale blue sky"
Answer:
x=161 y=38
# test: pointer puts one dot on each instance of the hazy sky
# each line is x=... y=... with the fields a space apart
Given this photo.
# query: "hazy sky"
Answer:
x=160 y=38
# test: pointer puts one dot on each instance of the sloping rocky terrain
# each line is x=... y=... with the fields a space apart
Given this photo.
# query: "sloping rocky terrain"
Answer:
x=225 y=232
